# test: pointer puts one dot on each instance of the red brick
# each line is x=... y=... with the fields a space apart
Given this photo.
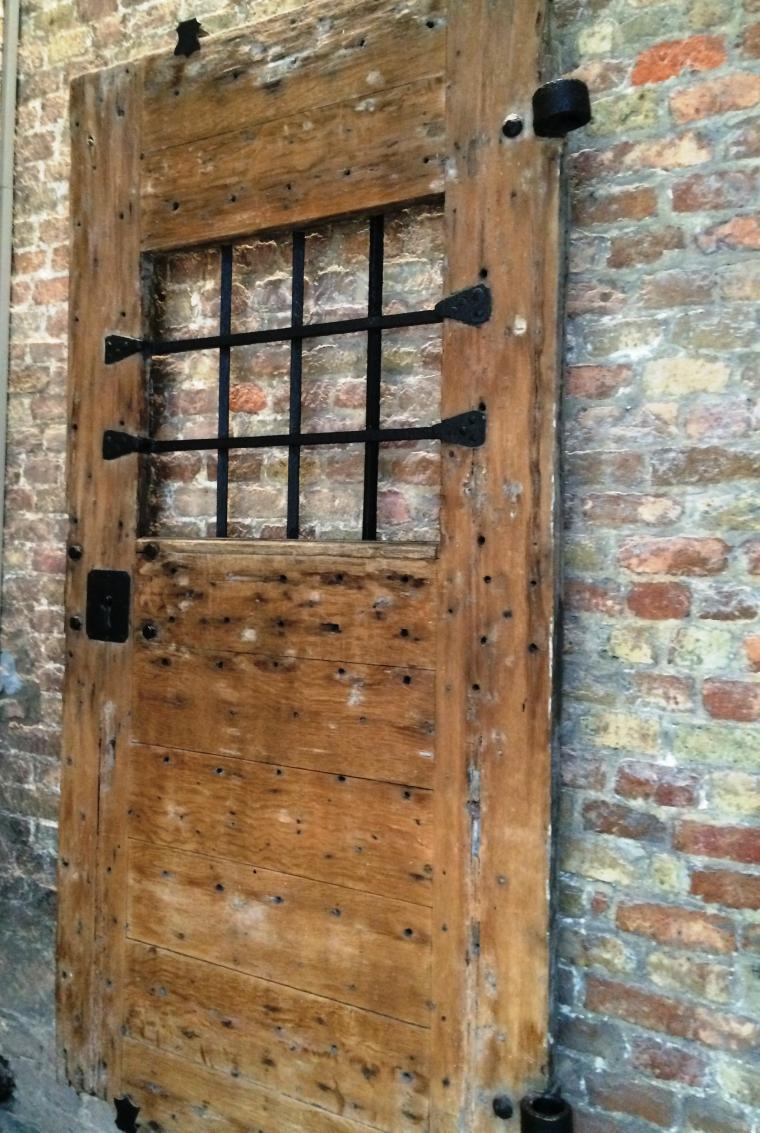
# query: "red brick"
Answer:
x=677 y=289
x=599 y=467
x=623 y=821
x=724 y=418
x=659 y=601
x=679 y=555
x=718 y=1029
x=667 y=1062
x=678 y=927
x=644 y=247
x=652 y=782
x=592 y=597
x=247 y=399
x=751 y=42
x=709 y=464
x=739 y=232
x=583 y=772
x=716 y=96
x=725 y=887
x=675 y=694
x=672 y=57
x=752 y=649
x=622 y=204
x=620 y=508
x=724 y=190
x=593 y=381
x=642 y=1100
x=732 y=700
x=735 y=843
x=52 y=290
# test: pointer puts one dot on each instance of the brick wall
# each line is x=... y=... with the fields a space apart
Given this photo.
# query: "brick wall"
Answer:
x=658 y=936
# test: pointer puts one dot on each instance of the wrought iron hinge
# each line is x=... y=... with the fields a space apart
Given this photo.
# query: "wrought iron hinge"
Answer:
x=471 y=306
x=117 y=347
x=189 y=33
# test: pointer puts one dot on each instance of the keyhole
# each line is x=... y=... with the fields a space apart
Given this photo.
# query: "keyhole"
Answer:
x=105 y=606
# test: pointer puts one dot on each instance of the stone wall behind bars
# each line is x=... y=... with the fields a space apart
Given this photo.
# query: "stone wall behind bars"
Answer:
x=659 y=936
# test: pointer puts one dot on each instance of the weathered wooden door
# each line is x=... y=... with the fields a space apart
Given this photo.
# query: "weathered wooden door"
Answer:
x=304 y=831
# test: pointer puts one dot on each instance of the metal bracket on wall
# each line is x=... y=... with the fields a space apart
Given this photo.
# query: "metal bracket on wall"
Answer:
x=560 y=107
x=471 y=306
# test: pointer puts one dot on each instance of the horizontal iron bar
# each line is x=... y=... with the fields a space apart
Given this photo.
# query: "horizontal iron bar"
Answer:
x=468 y=429
x=472 y=306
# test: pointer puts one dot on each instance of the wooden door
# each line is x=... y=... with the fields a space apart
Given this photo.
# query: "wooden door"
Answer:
x=305 y=812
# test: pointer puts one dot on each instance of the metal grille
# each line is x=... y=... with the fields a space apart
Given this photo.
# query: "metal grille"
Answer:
x=471 y=306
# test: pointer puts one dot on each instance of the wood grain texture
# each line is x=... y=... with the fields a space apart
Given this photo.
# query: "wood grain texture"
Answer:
x=105 y=297
x=370 y=836
x=368 y=721
x=304 y=548
x=367 y=152
x=493 y=783
x=181 y=1097
x=351 y=1062
x=291 y=65
x=380 y=610
x=360 y=949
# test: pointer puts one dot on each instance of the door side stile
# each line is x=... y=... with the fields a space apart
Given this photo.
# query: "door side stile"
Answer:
x=106 y=110
x=496 y=594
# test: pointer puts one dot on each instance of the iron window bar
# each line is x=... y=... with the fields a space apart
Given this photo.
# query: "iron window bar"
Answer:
x=467 y=429
x=471 y=306
x=223 y=455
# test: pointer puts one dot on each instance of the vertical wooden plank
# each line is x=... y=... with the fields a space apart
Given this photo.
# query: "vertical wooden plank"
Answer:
x=102 y=502
x=491 y=964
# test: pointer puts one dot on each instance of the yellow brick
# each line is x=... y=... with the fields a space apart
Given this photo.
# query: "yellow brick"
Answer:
x=683 y=375
x=621 y=730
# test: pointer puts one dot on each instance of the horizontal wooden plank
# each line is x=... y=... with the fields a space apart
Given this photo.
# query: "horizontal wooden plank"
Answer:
x=291 y=64
x=303 y=548
x=181 y=1097
x=366 y=153
x=368 y=951
x=363 y=720
x=345 y=1060
x=366 y=835
x=379 y=609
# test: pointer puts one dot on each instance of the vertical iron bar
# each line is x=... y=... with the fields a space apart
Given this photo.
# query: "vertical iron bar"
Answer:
x=296 y=356
x=374 y=375
x=223 y=456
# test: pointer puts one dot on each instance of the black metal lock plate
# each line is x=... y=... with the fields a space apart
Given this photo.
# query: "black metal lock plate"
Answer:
x=108 y=597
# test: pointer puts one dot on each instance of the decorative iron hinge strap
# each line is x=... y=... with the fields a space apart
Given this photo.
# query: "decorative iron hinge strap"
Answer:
x=468 y=429
x=472 y=307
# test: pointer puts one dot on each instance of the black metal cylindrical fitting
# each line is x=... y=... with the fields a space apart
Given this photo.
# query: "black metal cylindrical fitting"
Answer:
x=560 y=107
x=149 y=631
x=545 y=1114
x=151 y=551
x=75 y=551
